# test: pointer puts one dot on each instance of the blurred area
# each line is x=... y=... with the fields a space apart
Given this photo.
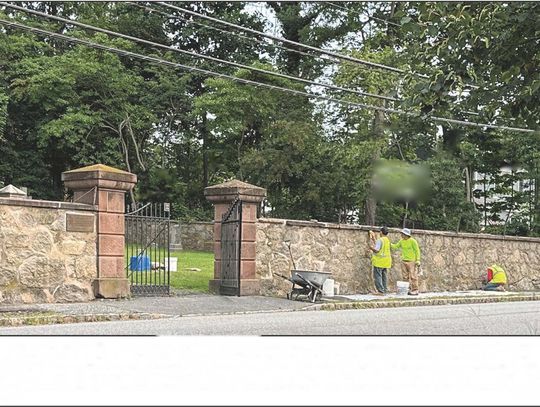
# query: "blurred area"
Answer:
x=398 y=180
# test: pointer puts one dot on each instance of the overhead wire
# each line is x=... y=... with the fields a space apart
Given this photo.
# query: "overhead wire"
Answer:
x=321 y=51
x=232 y=33
x=255 y=83
x=325 y=53
x=338 y=6
x=194 y=54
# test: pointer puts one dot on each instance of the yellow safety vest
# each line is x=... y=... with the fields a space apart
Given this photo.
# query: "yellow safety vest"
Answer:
x=383 y=258
x=499 y=276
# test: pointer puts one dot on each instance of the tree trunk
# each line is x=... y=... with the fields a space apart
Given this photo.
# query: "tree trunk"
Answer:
x=468 y=184
x=204 y=134
x=536 y=203
x=371 y=202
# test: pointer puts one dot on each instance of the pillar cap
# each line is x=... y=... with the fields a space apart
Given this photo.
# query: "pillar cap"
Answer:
x=12 y=191
x=99 y=175
x=230 y=190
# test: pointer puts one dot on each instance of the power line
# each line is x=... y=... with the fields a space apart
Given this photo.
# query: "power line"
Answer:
x=194 y=54
x=370 y=17
x=235 y=34
x=294 y=43
x=323 y=52
x=254 y=83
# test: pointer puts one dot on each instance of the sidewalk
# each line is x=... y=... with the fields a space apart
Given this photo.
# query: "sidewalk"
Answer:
x=206 y=304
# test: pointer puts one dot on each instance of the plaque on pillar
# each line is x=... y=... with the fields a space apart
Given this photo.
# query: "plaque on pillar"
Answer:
x=80 y=223
x=104 y=187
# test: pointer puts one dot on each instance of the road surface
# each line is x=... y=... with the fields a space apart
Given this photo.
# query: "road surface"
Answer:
x=510 y=318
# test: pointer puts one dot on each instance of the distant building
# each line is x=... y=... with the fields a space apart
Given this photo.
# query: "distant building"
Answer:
x=503 y=196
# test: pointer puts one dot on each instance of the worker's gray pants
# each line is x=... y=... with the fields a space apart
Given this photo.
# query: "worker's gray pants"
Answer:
x=379 y=275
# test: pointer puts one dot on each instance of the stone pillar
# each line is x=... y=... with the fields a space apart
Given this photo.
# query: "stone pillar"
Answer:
x=222 y=196
x=105 y=187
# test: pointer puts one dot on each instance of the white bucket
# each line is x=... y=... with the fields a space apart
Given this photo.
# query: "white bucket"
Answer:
x=328 y=288
x=173 y=262
x=402 y=287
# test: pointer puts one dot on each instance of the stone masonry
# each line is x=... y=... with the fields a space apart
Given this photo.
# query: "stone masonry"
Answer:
x=222 y=196
x=105 y=187
x=197 y=236
x=450 y=261
x=40 y=261
x=192 y=236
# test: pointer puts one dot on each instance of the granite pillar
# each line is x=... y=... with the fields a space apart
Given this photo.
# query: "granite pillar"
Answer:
x=105 y=187
x=222 y=196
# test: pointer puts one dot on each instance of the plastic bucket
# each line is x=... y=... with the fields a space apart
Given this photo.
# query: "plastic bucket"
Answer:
x=402 y=287
x=328 y=288
x=173 y=262
x=139 y=263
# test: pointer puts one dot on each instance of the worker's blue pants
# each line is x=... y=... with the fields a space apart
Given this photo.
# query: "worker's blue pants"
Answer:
x=491 y=287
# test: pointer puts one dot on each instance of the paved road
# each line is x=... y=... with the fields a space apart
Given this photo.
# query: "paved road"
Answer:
x=519 y=318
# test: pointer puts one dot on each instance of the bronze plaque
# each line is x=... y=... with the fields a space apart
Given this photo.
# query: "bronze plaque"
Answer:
x=79 y=223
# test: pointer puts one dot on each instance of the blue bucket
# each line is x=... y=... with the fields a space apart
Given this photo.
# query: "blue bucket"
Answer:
x=139 y=263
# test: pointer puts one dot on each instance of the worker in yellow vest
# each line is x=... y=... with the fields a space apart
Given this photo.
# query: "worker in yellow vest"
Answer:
x=410 y=259
x=381 y=260
x=496 y=279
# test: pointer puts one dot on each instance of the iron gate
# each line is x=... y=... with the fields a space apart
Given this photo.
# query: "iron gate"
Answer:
x=231 y=238
x=148 y=260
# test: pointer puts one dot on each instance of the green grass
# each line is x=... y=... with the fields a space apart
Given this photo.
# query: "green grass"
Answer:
x=193 y=280
x=183 y=278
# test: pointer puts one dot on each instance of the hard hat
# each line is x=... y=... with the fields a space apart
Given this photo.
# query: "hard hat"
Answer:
x=406 y=232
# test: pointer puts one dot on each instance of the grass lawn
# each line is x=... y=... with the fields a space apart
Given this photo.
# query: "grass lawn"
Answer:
x=183 y=278
x=193 y=280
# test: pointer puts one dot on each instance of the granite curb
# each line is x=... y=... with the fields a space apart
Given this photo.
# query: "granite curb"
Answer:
x=424 y=302
x=47 y=318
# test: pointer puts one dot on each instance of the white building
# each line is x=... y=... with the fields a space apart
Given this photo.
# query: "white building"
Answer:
x=492 y=195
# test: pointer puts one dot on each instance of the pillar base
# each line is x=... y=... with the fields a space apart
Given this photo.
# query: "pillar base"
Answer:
x=250 y=287
x=111 y=288
x=247 y=287
x=213 y=286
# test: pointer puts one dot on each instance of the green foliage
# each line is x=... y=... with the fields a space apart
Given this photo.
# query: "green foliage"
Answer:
x=445 y=208
x=3 y=112
x=64 y=106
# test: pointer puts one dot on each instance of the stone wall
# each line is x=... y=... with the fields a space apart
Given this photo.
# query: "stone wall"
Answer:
x=450 y=261
x=192 y=236
x=40 y=261
x=183 y=236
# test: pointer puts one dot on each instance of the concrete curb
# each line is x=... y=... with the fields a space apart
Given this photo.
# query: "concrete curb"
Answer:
x=424 y=302
x=49 y=317
x=70 y=319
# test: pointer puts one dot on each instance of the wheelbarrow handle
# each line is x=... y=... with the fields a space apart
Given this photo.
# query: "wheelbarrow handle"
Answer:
x=306 y=280
x=284 y=277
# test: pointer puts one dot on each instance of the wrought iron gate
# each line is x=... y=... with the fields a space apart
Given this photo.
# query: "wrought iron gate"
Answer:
x=148 y=260
x=231 y=239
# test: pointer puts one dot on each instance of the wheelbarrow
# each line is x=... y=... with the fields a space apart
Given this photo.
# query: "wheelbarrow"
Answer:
x=308 y=283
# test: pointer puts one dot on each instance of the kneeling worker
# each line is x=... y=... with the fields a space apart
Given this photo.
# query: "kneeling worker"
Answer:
x=496 y=279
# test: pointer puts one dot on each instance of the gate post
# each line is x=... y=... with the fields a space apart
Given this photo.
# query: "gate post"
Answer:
x=222 y=196
x=105 y=187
